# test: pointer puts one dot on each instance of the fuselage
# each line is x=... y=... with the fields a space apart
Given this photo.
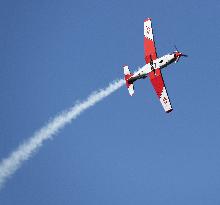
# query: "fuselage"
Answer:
x=160 y=63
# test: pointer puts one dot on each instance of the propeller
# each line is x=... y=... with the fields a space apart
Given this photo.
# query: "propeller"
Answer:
x=176 y=48
x=179 y=54
x=177 y=59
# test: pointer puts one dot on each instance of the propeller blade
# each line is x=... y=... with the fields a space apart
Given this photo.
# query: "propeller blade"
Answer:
x=177 y=59
x=184 y=55
x=176 y=48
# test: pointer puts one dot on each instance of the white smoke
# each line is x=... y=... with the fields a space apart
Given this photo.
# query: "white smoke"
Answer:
x=9 y=165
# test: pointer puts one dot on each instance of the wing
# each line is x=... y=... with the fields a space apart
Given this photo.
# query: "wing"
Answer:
x=159 y=87
x=149 y=45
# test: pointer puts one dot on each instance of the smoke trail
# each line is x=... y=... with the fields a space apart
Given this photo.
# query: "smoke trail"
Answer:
x=9 y=165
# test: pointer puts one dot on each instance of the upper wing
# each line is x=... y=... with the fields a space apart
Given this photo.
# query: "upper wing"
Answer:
x=149 y=45
x=159 y=86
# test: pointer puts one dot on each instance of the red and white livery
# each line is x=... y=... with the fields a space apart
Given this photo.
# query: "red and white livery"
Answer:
x=152 y=68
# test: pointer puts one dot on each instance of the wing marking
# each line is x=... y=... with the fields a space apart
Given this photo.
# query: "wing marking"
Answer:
x=156 y=79
x=149 y=44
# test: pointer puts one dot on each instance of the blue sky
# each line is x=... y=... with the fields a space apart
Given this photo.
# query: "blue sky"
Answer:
x=124 y=150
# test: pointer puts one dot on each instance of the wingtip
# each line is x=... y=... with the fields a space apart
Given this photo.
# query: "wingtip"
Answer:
x=147 y=19
x=168 y=111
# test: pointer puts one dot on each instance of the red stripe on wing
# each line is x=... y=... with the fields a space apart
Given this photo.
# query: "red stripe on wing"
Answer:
x=157 y=81
x=149 y=50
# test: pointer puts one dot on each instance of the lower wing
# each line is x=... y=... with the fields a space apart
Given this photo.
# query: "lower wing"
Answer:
x=159 y=87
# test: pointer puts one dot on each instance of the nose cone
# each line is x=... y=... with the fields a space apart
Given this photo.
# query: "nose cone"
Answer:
x=178 y=54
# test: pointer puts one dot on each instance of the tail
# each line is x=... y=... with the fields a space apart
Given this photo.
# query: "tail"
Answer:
x=128 y=75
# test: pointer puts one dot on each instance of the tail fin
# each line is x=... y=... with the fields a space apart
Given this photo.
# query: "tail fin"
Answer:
x=128 y=75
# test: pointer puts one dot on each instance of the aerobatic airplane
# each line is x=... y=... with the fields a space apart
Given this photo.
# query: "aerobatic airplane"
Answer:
x=153 y=67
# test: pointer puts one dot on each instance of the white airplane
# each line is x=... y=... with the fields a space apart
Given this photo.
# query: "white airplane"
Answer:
x=153 y=67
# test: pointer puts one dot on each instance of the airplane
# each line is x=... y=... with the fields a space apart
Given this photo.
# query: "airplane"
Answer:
x=153 y=67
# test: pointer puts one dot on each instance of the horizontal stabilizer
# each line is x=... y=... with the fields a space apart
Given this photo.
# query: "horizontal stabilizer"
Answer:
x=128 y=75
